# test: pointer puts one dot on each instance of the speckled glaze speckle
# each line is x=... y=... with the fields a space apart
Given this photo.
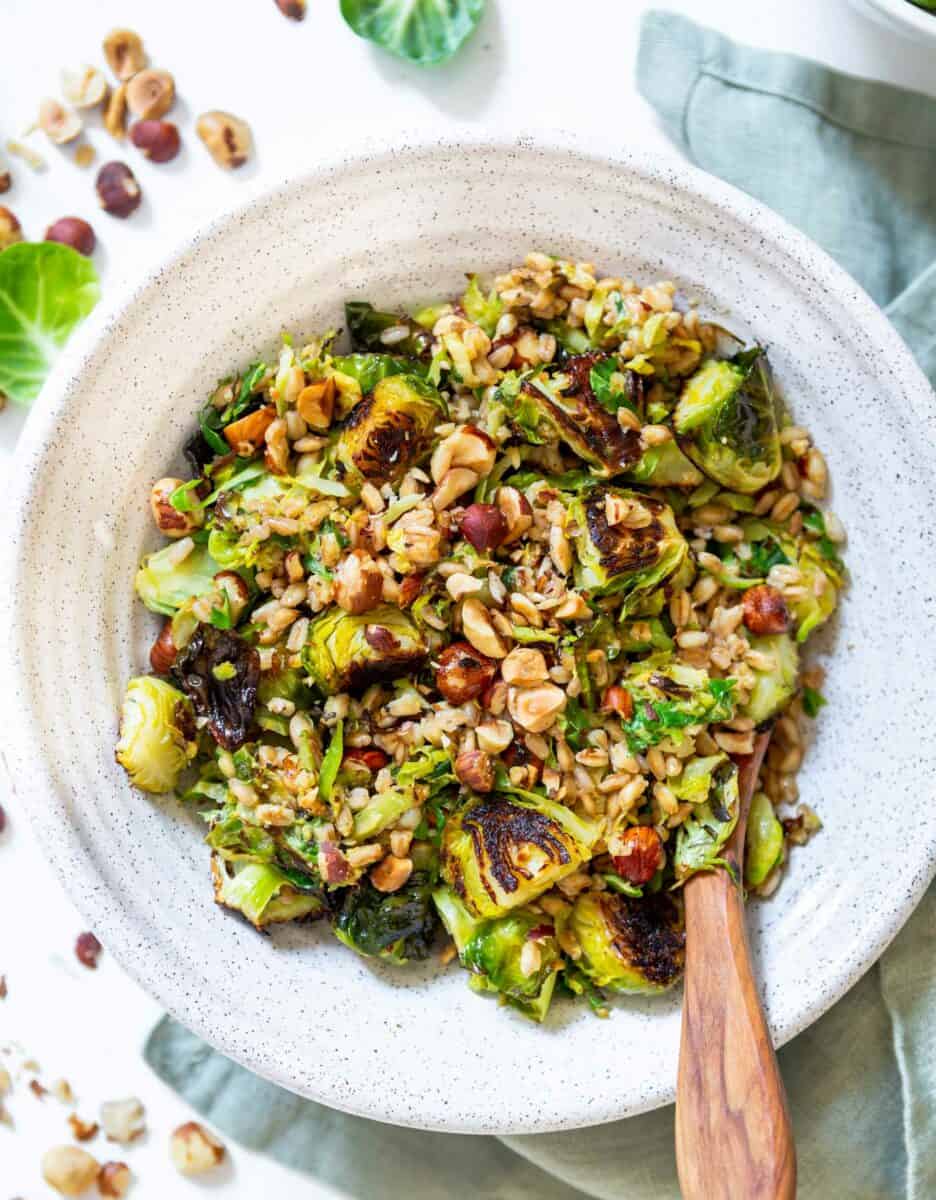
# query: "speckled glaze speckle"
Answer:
x=416 y=1047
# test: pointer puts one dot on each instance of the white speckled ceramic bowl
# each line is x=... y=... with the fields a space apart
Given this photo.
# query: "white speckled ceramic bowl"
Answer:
x=416 y=1046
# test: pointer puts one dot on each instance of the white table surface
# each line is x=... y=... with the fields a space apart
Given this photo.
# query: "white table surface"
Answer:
x=300 y=87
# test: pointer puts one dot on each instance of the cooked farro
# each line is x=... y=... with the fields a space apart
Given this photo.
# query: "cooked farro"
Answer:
x=468 y=626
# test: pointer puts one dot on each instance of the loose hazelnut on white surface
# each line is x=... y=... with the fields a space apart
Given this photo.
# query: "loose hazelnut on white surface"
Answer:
x=115 y=112
x=124 y=52
x=227 y=138
x=82 y=1131
x=150 y=94
x=123 y=1121
x=194 y=1150
x=294 y=9
x=68 y=1169
x=114 y=1179
x=10 y=229
x=74 y=232
x=118 y=191
x=159 y=140
x=58 y=123
x=84 y=86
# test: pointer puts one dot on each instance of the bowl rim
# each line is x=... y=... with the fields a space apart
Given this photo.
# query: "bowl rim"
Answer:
x=75 y=872
x=901 y=16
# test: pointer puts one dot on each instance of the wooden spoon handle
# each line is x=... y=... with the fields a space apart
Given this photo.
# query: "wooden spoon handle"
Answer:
x=734 y=1140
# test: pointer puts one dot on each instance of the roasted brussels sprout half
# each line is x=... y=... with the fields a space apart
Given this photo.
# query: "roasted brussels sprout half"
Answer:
x=727 y=419
x=664 y=466
x=220 y=672
x=774 y=687
x=668 y=696
x=493 y=951
x=701 y=839
x=630 y=557
x=629 y=945
x=389 y=430
x=157 y=734
x=346 y=651
x=763 y=845
x=500 y=853
x=262 y=893
x=398 y=927
x=576 y=418
x=164 y=585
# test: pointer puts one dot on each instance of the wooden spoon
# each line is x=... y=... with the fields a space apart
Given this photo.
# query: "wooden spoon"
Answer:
x=734 y=1140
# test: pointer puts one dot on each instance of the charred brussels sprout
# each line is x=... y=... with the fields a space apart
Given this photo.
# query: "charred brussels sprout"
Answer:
x=220 y=672
x=578 y=419
x=727 y=417
x=632 y=556
x=763 y=845
x=629 y=945
x=389 y=430
x=398 y=927
x=500 y=853
x=701 y=839
x=262 y=893
x=773 y=687
x=157 y=734
x=345 y=652
x=164 y=585
x=668 y=696
x=516 y=956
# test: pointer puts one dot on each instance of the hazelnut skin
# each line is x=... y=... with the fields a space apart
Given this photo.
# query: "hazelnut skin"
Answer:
x=159 y=140
x=163 y=651
x=475 y=770
x=118 y=190
x=124 y=52
x=74 y=232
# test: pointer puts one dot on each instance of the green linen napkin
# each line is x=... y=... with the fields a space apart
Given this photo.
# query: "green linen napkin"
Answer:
x=853 y=163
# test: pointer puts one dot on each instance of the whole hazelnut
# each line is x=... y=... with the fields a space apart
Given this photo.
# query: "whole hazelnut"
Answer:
x=114 y=1179
x=227 y=137
x=484 y=525
x=637 y=854
x=475 y=770
x=69 y=1170
x=87 y=950
x=84 y=87
x=118 y=190
x=10 y=229
x=124 y=52
x=765 y=610
x=194 y=1150
x=58 y=123
x=294 y=9
x=6 y=181
x=150 y=94
x=463 y=673
x=163 y=651
x=74 y=232
x=159 y=140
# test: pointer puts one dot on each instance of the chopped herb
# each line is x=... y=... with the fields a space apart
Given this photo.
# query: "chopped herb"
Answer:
x=813 y=700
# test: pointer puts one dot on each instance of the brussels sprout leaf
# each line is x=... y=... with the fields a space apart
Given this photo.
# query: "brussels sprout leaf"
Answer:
x=423 y=31
x=331 y=763
x=46 y=289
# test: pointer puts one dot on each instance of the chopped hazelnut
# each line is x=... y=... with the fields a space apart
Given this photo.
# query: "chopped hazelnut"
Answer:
x=58 y=123
x=124 y=52
x=391 y=873
x=194 y=1150
x=82 y=1131
x=10 y=229
x=150 y=94
x=123 y=1121
x=358 y=582
x=476 y=623
x=475 y=770
x=536 y=708
x=115 y=112
x=114 y=1179
x=84 y=87
x=69 y=1170
x=227 y=138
